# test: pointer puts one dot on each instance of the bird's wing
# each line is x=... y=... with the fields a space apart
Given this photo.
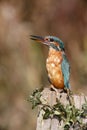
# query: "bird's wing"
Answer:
x=66 y=71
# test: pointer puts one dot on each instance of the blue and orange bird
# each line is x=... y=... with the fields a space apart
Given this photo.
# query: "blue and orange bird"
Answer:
x=57 y=65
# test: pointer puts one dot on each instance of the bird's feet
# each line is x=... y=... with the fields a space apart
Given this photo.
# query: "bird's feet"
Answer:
x=57 y=91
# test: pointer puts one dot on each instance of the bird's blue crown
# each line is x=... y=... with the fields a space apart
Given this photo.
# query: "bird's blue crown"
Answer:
x=55 y=39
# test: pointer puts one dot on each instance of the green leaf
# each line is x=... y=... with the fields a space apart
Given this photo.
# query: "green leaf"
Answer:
x=67 y=126
x=57 y=113
x=47 y=113
x=35 y=98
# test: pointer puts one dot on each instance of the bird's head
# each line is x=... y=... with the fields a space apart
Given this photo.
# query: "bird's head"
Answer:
x=50 y=41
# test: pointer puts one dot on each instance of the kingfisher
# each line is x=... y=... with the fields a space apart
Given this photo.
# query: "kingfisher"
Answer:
x=57 y=64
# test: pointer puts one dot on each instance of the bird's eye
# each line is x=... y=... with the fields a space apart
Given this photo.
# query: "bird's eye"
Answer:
x=51 y=39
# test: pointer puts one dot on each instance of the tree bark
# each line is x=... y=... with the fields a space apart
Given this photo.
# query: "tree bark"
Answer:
x=50 y=97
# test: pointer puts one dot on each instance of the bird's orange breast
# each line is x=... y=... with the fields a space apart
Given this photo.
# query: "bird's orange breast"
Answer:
x=53 y=65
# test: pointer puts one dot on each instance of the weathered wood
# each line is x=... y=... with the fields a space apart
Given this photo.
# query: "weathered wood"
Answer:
x=50 y=97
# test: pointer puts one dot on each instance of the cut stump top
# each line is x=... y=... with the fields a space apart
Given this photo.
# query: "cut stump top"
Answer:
x=49 y=97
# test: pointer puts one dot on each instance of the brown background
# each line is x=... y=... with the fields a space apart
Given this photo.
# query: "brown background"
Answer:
x=22 y=61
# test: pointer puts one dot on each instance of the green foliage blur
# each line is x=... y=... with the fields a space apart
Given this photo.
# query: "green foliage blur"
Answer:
x=22 y=61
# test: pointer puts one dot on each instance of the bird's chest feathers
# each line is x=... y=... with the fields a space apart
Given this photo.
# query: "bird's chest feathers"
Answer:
x=53 y=65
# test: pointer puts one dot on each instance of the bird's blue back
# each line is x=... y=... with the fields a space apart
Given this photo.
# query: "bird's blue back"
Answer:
x=66 y=71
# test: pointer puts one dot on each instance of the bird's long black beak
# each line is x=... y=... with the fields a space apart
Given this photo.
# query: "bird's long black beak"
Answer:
x=37 y=38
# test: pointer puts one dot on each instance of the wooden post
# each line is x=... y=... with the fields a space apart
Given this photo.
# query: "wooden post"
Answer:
x=50 y=97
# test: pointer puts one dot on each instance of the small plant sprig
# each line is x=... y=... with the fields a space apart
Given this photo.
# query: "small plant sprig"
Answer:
x=35 y=98
x=71 y=116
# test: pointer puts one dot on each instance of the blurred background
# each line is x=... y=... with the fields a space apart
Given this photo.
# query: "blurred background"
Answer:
x=22 y=61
